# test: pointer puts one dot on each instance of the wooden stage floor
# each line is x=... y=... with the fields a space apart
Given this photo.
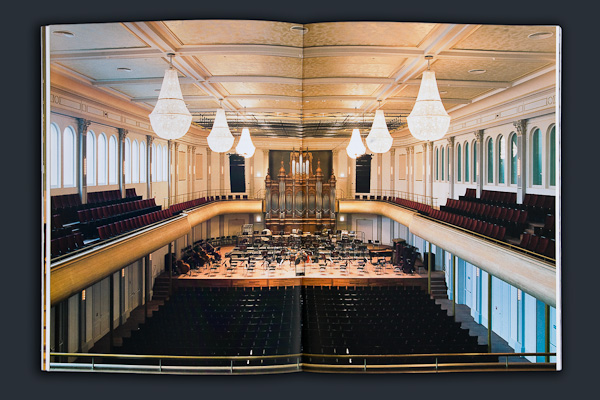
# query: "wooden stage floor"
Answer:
x=286 y=275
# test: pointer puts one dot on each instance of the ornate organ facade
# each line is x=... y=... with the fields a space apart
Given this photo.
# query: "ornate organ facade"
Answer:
x=297 y=198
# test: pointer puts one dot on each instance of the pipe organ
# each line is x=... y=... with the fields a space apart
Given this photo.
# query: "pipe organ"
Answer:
x=297 y=198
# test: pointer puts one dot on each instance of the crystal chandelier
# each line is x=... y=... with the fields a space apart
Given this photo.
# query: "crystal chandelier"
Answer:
x=220 y=138
x=245 y=147
x=379 y=139
x=170 y=118
x=356 y=147
x=428 y=119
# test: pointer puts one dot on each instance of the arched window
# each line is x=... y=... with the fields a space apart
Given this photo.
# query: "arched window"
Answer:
x=135 y=162
x=458 y=163
x=142 y=162
x=112 y=160
x=437 y=165
x=447 y=163
x=102 y=162
x=474 y=161
x=54 y=161
x=90 y=145
x=513 y=159
x=159 y=163
x=165 y=164
x=490 y=161
x=443 y=163
x=552 y=156
x=537 y=157
x=466 y=161
x=153 y=162
x=127 y=156
x=501 y=158
x=68 y=157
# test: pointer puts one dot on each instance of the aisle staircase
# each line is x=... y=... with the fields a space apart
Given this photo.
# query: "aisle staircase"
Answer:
x=439 y=290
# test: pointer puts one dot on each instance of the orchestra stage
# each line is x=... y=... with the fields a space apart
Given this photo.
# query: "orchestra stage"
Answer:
x=305 y=273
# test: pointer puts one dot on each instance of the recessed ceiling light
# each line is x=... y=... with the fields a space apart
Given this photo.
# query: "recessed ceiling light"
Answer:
x=64 y=33
x=300 y=90
x=477 y=71
x=540 y=35
x=124 y=69
x=443 y=92
x=299 y=29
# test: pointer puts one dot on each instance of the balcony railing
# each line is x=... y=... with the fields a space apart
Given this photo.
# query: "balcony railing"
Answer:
x=239 y=365
x=380 y=194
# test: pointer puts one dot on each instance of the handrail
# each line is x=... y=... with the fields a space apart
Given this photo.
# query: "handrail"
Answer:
x=183 y=197
x=427 y=200
x=364 y=366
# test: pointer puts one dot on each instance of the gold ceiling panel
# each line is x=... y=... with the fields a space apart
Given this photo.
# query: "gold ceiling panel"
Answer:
x=207 y=32
x=328 y=104
x=238 y=64
x=398 y=106
x=501 y=71
x=281 y=89
x=94 y=37
x=508 y=38
x=188 y=89
x=451 y=92
x=293 y=106
x=400 y=34
x=341 y=89
x=202 y=104
x=352 y=66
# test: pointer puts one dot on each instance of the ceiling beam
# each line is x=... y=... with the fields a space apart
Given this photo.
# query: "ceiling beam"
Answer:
x=254 y=79
x=138 y=81
x=497 y=55
x=104 y=54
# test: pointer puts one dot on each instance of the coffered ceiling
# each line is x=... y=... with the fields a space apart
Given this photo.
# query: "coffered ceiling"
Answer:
x=313 y=80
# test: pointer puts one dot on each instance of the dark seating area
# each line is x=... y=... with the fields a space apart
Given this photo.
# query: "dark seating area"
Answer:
x=381 y=320
x=117 y=228
x=224 y=321
x=482 y=227
x=90 y=219
x=537 y=205
x=422 y=208
x=66 y=244
x=513 y=220
x=177 y=208
x=538 y=244
x=68 y=205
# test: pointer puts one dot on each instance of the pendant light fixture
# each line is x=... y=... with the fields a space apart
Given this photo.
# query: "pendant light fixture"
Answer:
x=245 y=147
x=170 y=118
x=355 y=148
x=428 y=119
x=220 y=138
x=379 y=139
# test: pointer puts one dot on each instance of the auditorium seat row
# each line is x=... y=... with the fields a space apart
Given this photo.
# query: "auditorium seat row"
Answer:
x=424 y=208
x=490 y=197
x=175 y=208
x=117 y=228
x=126 y=211
x=548 y=228
x=68 y=205
x=104 y=212
x=483 y=228
x=66 y=244
x=514 y=220
x=538 y=244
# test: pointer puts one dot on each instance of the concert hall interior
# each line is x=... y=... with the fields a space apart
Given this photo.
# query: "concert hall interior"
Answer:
x=333 y=238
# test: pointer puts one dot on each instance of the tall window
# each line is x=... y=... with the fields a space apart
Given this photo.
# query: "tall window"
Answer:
x=165 y=164
x=459 y=163
x=91 y=158
x=54 y=156
x=448 y=163
x=437 y=165
x=127 y=160
x=490 y=161
x=69 y=157
x=135 y=162
x=442 y=163
x=363 y=173
x=537 y=157
x=159 y=162
x=153 y=162
x=474 y=161
x=466 y=162
x=102 y=164
x=142 y=162
x=513 y=159
x=112 y=160
x=552 y=145
x=501 y=159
